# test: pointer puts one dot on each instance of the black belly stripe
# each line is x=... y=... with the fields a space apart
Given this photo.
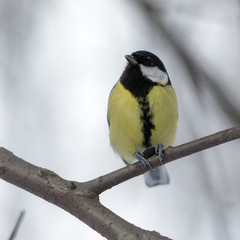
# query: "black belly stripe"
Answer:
x=146 y=118
x=139 y=86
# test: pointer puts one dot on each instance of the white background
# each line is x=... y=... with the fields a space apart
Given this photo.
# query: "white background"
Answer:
x=58 y=63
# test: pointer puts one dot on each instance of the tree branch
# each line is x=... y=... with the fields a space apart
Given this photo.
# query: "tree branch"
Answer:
x=82 y=199
x=103 y=183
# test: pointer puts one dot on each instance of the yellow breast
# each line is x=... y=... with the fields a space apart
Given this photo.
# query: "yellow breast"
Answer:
x=125 y=117
x=164 y=106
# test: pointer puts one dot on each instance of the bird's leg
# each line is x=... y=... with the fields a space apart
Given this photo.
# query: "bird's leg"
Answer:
x=140 y=157
x=159 y=150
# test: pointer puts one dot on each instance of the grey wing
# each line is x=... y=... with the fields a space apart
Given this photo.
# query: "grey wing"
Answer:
x=108 y=121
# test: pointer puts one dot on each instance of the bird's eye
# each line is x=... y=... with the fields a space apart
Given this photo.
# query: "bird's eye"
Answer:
x=147 y=62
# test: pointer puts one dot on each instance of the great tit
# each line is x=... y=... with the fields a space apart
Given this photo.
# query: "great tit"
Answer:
x=143 y=112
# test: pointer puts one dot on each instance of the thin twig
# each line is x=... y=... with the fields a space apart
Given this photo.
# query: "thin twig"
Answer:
x=20 y=218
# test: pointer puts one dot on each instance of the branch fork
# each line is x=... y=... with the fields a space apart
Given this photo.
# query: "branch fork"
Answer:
x=82 y=199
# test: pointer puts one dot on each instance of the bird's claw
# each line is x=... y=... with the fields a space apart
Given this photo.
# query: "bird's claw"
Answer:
x=140 y=157
x=159 y=150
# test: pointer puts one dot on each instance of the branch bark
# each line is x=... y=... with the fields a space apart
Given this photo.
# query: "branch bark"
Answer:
x=82 y=199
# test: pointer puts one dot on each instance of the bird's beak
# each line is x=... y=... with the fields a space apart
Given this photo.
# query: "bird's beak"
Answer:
x=131 y=59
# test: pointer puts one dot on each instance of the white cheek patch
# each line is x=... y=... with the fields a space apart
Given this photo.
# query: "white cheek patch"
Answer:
x=154 y=74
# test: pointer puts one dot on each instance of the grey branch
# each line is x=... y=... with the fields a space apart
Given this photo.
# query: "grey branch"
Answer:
x=82 y=199
x=16 y=227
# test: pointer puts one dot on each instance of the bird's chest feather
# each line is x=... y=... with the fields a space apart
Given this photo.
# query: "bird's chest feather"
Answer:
x=125 y=123
x=137 y=123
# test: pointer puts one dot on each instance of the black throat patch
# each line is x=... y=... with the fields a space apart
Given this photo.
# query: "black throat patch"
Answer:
x=133 y=80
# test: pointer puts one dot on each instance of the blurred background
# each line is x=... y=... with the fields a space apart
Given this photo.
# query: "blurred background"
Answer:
x=58 y=63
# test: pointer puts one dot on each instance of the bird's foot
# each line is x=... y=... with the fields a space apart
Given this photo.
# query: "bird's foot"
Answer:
x=140 y=157
x=159 y=150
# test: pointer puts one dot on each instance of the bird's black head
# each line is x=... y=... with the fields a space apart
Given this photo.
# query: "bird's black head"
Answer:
x=143 y=71
x=147 y=59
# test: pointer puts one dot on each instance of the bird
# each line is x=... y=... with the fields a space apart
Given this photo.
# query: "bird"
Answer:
x=142 y=112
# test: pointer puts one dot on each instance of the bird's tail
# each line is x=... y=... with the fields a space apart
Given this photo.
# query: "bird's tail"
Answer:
x=157 y=176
